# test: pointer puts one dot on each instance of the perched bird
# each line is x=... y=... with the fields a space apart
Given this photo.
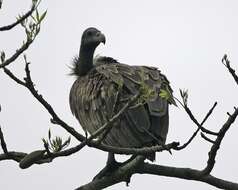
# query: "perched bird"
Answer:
x=102 y=88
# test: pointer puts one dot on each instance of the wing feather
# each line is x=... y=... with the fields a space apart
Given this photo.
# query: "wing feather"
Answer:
x=96 y=97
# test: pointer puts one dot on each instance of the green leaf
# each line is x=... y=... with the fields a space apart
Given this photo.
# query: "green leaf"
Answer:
x=33 y=18
x=37 y=16
x=42 y=16
x=164 y=94
x=37 y=30
x=34 y=2
x=184 y=95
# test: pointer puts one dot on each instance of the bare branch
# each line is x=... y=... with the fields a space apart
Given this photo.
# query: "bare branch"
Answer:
x=32 y=29
x=145 y=168
x=17 y=54
x=13 y=77
x=18 y=21
x=184 y=104
x=198 y=125
x=207 y=139
x=195 y=133
x=185 y=173
x=226 y=62
x=3 y=143
x=213 y=151
x=47 y=158
x=209 y=113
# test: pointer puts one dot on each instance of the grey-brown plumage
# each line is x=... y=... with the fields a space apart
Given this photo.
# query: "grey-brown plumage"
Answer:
x=102 y=88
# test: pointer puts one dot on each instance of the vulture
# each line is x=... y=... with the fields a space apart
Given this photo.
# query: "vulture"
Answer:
x=103 y=86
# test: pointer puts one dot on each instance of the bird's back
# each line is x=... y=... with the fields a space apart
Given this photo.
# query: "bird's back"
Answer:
x=97 y=96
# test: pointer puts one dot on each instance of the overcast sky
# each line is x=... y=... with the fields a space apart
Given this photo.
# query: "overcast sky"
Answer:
x=185 y=39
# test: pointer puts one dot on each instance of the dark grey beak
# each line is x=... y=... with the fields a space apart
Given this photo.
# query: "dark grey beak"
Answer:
x=102 y=38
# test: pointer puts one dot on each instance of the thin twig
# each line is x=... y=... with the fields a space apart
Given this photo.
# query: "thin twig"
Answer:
x=3 y=143
x=190 y=114
x=209 y=113
x=207 y=139
x=18 y=53
x=13 y=77
x=226 y=62
x=30 y=35
x=18 y=21
x=213 y=151
x=198 y=129
x=198 y=125
x=189 y=140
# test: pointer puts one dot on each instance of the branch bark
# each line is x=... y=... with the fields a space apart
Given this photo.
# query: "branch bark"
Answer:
x=186 y=173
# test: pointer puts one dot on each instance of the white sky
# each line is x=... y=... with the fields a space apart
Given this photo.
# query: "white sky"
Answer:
x=185 y=39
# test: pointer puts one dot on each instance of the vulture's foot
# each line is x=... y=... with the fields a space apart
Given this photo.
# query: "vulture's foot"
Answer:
x=107 y=170
x=111 y=166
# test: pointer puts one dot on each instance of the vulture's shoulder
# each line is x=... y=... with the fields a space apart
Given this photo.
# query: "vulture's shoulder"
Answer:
x=133 y=78
x=101 y=60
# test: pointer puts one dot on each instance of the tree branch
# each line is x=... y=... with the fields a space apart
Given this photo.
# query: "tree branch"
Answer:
x=189 y=112
x=226 y=62
x=184 y=104
x=195 y=133
x=213 y=151
x=120 y=175
x=32 y=29
x=185 y=173
x=17 y=54
x=3 y=143
x=207 y=139
x=12 y=155
x=18 y=21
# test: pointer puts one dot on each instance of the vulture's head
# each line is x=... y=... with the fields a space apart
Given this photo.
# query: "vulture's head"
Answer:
x=92 y=37
x=83 y=63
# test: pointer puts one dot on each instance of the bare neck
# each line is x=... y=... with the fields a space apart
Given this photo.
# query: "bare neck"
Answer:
x=85 y=63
